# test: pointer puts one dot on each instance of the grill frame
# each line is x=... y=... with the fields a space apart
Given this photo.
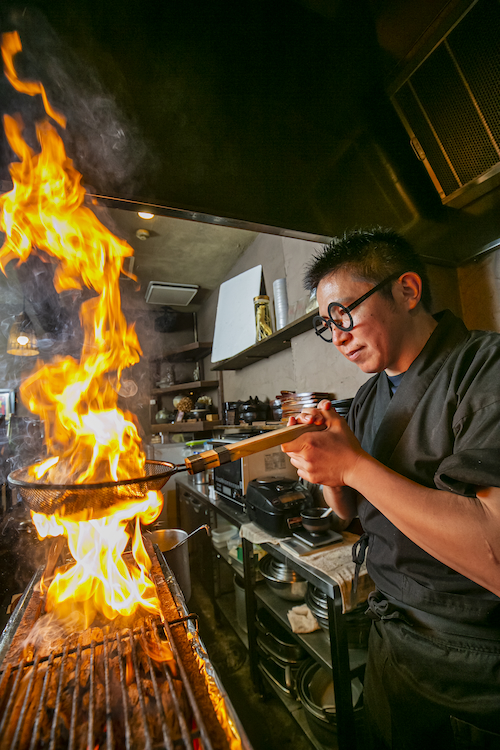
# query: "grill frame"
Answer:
x=180 y=629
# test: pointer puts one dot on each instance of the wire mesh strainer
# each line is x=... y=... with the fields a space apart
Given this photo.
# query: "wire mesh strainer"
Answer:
x=67 y=499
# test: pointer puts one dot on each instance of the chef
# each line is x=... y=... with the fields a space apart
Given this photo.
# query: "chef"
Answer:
x=419 y=462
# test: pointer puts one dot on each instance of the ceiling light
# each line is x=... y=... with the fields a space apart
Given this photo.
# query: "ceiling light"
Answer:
x=165 y=293
x=145 y=215
x=22 y=337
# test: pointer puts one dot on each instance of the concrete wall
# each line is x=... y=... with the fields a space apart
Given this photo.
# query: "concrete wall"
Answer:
x=310 y=364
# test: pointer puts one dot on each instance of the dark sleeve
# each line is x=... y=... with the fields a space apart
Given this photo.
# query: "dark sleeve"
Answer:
x=476 y=458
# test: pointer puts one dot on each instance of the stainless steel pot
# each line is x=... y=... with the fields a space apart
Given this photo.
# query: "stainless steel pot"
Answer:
x=293 y=590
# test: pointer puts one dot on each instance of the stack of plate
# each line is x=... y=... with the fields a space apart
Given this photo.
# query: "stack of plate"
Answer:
x=316 y=601
x=292 y=403
x=357 y=622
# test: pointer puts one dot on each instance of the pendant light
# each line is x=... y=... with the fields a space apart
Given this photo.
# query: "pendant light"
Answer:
x=22 y=337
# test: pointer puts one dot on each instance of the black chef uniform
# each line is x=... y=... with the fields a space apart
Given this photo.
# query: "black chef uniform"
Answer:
x=436 y=645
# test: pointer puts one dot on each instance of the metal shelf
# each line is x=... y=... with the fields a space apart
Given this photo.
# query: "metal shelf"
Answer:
x=297 y=712
x=273 y=344
x=317 y=644
x=188 y=353
x=198 y=426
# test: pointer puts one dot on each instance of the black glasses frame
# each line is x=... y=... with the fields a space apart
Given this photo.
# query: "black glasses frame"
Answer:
x=321 y=325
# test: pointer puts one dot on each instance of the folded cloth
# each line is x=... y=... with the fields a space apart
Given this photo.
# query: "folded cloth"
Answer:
x=255 y=534
x=302 y=620
x=336 y=562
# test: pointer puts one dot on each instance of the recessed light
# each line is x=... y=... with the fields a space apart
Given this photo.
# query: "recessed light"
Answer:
x=145 y=215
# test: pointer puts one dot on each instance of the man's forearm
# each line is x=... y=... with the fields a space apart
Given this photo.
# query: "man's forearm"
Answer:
x=461 y=532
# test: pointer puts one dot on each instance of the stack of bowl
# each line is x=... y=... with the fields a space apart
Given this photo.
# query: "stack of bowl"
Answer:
x=281 y=579
x=292 y=403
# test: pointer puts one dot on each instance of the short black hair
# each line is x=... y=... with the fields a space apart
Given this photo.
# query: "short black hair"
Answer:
x=372 y=254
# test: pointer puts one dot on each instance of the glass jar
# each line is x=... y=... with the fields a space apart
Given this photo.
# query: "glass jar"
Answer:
x=263 y=325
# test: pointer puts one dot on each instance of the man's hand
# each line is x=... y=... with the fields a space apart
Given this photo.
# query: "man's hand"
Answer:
x=328 y=457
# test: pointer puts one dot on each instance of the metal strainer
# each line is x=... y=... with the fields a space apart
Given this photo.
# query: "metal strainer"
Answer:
x=42 y=497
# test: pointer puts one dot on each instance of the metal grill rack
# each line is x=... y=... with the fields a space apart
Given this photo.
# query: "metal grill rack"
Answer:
x=109 y=693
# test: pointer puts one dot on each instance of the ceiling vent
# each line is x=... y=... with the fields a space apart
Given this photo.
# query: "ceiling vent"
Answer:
x=164 y=293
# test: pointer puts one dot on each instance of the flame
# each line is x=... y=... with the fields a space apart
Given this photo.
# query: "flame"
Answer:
x=100 y=580
x=88 y=438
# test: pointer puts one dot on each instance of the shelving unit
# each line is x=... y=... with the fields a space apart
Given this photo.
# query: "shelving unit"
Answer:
x=277 y=342
x=193 y=353
x=330 y=650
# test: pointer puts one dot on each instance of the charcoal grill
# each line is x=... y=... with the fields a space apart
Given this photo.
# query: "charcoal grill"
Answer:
x=106 y=688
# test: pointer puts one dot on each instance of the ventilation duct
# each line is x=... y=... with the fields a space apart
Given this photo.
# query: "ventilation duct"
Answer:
x=448 y=103
x=164 y=293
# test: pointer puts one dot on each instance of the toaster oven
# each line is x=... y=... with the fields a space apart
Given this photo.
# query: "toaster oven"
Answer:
x=231 y=479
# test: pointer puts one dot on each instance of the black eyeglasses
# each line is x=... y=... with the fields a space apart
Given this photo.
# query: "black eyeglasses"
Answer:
x=340 y=315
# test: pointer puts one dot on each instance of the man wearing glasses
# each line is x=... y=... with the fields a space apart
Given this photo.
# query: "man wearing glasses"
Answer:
x=419 y=461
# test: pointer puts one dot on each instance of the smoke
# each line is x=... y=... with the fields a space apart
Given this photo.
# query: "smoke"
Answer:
x=104 y=142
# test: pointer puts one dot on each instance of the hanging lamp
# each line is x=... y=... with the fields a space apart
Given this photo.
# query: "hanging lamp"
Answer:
x=22 y=340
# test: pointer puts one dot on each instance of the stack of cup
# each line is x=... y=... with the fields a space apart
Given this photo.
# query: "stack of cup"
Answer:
x=280 y=303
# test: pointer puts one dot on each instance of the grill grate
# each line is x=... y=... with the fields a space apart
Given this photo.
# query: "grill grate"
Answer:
x=111 y=692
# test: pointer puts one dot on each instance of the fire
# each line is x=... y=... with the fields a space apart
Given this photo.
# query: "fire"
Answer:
x=100 y=580
x=88 y=438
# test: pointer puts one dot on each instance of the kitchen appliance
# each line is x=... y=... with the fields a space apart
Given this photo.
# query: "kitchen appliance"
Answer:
x=274 y=503
x=231 y=479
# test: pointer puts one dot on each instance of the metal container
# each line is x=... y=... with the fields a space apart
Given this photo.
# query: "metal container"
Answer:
x=178 y=558
x=292 y=589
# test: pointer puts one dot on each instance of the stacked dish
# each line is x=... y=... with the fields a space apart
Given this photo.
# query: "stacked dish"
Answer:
x=357 y=622
x=292 y=403
x=281 y=579
x=316 y=601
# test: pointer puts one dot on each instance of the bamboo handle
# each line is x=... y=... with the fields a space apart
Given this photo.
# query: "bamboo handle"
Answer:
x=232 y=451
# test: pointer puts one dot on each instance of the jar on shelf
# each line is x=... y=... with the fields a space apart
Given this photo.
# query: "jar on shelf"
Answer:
x=263 y=325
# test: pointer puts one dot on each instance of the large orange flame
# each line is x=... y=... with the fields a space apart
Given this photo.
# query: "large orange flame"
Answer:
x=88 y=439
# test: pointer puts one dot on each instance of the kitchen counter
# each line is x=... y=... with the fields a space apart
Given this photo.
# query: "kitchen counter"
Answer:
x=230 y=512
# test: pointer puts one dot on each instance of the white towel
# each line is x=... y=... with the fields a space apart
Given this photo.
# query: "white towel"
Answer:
x=302 y=620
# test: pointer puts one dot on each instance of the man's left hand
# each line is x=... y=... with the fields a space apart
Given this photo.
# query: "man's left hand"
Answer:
x=327 y=457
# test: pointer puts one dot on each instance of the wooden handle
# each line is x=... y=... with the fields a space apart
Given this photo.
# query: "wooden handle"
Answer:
x=232 y=451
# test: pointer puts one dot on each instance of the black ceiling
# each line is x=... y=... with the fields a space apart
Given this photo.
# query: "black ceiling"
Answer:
x=238 y=109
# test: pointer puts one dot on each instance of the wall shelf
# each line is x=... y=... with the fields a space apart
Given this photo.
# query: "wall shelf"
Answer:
x=188 y=353
x=273 y=344
x=194 y=352
x=198 y=426
x=193 y=386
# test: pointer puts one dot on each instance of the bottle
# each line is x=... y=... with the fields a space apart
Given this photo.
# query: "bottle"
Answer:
x=262 y=317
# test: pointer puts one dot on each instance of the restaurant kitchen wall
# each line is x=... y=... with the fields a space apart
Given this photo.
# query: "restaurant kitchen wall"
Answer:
x=310 y=365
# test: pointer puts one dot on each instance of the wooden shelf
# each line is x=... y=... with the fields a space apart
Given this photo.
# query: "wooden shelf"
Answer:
x=199 y=426
x=194 y=386
x=273 y=344
x=188 y=353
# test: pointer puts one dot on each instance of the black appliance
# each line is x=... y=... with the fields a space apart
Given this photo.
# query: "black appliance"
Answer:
x=274 y=503
x=231 y=480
